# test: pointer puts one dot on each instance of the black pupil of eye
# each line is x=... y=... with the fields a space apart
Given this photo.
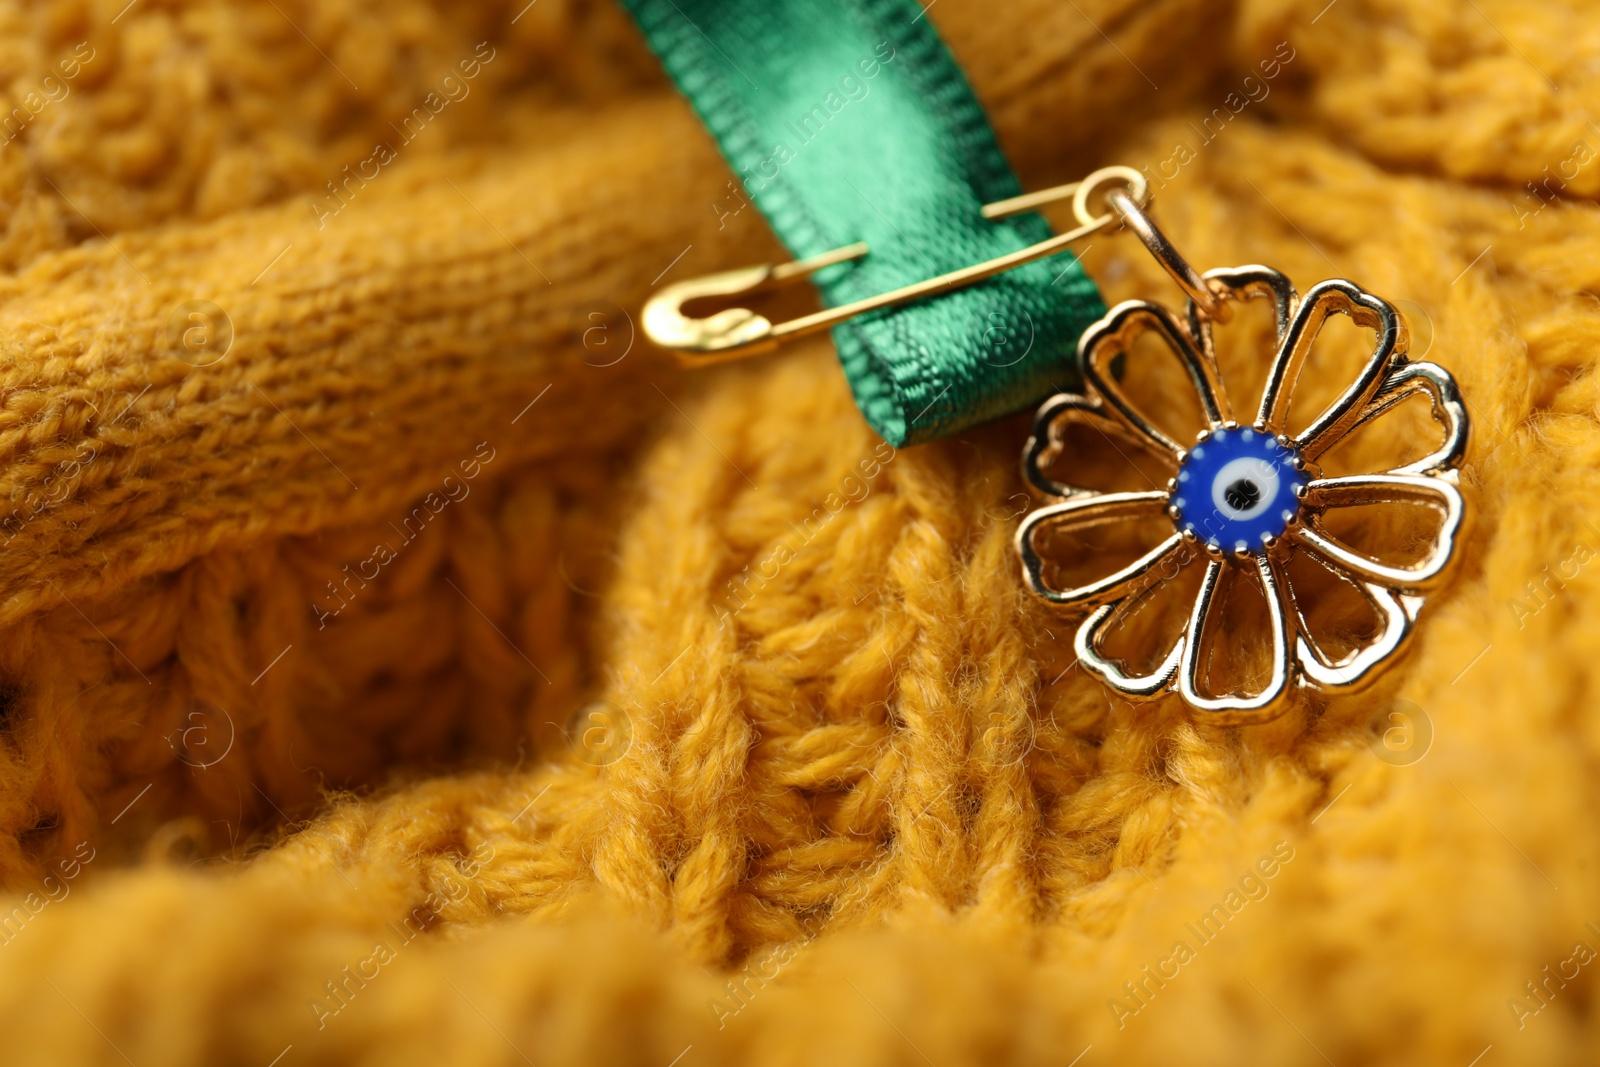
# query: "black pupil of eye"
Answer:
x=1242 y=495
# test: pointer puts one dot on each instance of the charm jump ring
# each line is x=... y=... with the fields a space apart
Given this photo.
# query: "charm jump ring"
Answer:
x=1102 y=183
x=1208 y=299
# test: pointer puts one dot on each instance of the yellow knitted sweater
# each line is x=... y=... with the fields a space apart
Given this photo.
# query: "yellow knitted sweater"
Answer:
x=368 y=692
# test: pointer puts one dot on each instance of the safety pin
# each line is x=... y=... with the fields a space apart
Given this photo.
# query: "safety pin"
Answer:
x=735 y=333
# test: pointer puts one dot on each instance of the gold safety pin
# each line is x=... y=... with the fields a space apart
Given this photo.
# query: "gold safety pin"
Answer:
x=735 y=333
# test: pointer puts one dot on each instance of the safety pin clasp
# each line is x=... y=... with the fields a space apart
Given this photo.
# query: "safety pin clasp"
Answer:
x=738 y=332
x=732 y=333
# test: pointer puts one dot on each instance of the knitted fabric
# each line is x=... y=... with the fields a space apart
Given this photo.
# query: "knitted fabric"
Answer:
x=301 y=644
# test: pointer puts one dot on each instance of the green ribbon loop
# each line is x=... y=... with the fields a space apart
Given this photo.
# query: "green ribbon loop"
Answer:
x=848 y=120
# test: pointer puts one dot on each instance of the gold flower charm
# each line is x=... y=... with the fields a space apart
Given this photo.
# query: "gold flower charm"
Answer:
x=1246 y=499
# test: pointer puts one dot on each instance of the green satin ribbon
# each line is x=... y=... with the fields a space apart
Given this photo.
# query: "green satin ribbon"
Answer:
x=848 y=120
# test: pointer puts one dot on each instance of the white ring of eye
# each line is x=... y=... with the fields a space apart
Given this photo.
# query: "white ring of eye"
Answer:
x=1245 y=468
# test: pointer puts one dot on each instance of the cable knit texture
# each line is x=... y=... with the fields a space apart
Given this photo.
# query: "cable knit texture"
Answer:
x=383 y=678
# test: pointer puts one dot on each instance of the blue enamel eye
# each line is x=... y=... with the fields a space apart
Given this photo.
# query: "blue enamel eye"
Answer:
x=1237 y=489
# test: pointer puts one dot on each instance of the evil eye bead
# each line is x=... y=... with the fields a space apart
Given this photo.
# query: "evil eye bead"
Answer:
x=1237 y=490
